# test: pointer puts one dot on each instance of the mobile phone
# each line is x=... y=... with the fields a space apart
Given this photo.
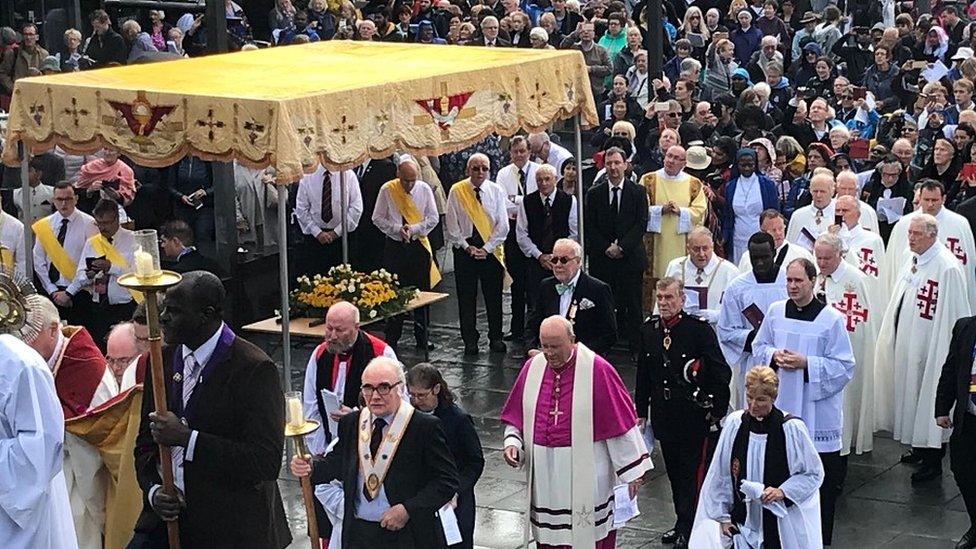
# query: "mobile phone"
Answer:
x=661 y=106
x=89 y=261
x=860 y=92
x=968 y=171
x=920 y=64
x=838 y=219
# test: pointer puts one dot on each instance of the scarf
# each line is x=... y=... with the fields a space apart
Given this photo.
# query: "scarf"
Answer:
x=775 y=467
x=99 y=170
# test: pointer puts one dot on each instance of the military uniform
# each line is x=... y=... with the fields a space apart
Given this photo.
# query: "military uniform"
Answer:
x=683 y=381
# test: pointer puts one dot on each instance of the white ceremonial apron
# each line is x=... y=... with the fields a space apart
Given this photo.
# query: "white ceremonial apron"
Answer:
x=374 y=470
x=583 y=481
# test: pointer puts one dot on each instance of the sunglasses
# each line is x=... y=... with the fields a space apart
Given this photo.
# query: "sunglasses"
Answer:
x=561 y=260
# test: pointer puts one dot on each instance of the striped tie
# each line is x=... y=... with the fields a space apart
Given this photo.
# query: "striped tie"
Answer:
x=190 y=379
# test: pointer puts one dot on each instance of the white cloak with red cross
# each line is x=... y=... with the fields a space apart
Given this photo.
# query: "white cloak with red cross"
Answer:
x=954 y=232
x=855 y=295
x=864 y=250
x=925 y=304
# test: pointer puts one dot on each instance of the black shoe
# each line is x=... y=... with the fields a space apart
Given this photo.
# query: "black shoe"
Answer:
x=497 y=346
x=681 y=542
x=926 y=474
x=911 y=458
x=670 y=536
x=471 y=350
x=420 y=346
x=968 y=540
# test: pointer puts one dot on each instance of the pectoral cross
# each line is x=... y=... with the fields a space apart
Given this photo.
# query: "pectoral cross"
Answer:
x=555 y=414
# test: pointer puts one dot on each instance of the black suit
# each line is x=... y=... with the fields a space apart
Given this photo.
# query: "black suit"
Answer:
x=627 y=228
x=595 y=327
x=873 y=190
x=953 y=390
x=422 y=477
x=543 y=231
x=370 y=241
x=232 y=497
x=465 y=447
x=678 y=422
x=193 y=260
x=499 y=42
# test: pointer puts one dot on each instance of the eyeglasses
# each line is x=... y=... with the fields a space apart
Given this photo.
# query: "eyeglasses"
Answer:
x=420 y=395
x=562 y=260
x=119 y=361
x=479 y=168
x=383 y=389
x=673 y=115
x=906 y=130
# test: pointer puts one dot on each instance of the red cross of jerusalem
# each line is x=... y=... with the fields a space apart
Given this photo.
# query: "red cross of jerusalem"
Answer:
x=953 y=244
x=866 y=261
x=852 y=310
x=927 y=298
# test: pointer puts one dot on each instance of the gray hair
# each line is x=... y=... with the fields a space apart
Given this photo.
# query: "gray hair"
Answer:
x=929 y=224
x=670 y=282
x=574 y=245
x=701 y=231
x=548 y=169
x=831 y=240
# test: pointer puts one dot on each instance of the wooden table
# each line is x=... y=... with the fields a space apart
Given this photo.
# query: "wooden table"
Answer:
x=302 y=327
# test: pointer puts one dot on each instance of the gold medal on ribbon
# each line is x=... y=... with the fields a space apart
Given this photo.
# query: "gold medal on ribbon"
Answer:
x=372 y=483
x=667 y=342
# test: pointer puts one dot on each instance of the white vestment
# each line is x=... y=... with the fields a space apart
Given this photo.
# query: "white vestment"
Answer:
x=913 y=345
x=799 y=529
x=34 y=509
x=865 y=250
x=12 y=242
x=954 y=232
x=814 y=393
x=703 y=291
x=733 y=328
x=869 y=217
x=857 y=296
x=792 y=252
x=809 y=222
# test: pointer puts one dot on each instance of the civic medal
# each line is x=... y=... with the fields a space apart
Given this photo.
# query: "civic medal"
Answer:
x=372 y=483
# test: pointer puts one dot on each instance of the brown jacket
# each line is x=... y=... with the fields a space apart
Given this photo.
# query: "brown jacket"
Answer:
x=16 y=63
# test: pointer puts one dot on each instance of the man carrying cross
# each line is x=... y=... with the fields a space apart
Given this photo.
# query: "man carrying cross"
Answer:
x=569 y=413
x=926 y=301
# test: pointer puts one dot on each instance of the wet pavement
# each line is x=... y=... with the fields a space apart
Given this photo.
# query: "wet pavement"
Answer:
x=880 y=506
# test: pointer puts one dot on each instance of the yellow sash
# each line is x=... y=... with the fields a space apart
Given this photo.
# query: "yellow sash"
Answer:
x=7 y=260
x=55 y=252
x=476 y=212
x=409 y=211
x=104 y=248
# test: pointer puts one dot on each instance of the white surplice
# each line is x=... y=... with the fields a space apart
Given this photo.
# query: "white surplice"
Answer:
x=869 y=217
x=954 y=232
x=814 y=393
x=800 y=529
x=715 y=277
x=34 y=509
x=733 y=328
x=913 y=345
x=858 y=297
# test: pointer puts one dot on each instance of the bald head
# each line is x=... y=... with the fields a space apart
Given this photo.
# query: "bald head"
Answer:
x=557 y=340
x=408 y=172
x=192 y=309
x=849 y=209
x=341 y=327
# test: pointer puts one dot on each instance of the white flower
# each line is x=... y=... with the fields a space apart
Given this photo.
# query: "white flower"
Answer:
x=352 y=287
x=372 y=313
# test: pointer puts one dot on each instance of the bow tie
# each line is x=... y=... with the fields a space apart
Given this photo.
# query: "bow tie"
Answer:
x=563 y=288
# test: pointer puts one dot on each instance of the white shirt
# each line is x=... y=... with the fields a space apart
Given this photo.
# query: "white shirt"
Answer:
x=126 y=245
x=458 y=226
x=308 y=202
x=81 y=227
x=509 y=180
x=558 y=155
x=12 y=238
x=522 y=226
x=41 y=203
x=387 y=217
x=567 y=298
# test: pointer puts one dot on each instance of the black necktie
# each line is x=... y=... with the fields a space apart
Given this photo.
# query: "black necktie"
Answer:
x=475 y=239
x=614 y=209
x=547 y=232
x=52 y=272
x=326 y=197
x=477 y=194
x=374 y=446
x=521 y=181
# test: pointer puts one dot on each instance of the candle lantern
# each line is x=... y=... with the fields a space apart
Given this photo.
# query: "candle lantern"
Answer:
x=296 y=427
x=146 y=254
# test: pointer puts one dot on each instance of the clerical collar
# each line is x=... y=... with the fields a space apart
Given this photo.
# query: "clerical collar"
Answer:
x=58 y=348
x=808 y=312
x=928 y=254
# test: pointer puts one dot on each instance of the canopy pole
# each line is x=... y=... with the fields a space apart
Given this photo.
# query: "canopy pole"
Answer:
x=26 y=213
x=579 y=180
x=283 y=282
x=345 y=208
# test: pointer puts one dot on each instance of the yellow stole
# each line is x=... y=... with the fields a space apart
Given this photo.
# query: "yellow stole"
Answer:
x=104 y=248
x=55 y=252
x=7 y=260
x=411 y=214
x=476 y=212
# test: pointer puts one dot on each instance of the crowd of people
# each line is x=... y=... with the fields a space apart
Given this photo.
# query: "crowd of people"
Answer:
x=778 y=233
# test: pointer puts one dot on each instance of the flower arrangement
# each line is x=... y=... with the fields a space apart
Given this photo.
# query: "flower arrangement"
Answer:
x=375 y=294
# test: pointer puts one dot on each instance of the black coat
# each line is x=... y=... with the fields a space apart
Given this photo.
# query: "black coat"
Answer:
x=106 y=48
x=662 y=389
x=369 y=239
x=873 y=191
x=630 y=227
x=465 y=447
x=422 y=477
x=595 y=327
x=953 y=386
x=193 y=260
x=232 y=497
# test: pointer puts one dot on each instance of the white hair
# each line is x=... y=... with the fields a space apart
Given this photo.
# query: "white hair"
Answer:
x=831 y=240
x=929 y=224
x=574 y=245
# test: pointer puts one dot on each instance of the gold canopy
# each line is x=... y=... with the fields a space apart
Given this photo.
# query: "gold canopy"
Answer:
x=334 y=103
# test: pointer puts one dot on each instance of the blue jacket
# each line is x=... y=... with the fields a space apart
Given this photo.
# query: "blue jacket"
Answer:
x=770 y=199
